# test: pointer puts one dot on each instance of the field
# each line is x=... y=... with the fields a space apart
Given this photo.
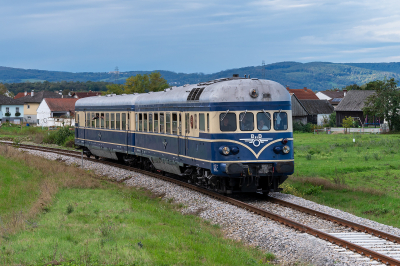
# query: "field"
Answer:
x=360 y=176
x=56 y=214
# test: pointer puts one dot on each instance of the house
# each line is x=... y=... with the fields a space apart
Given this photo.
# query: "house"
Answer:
x=317 y=110
x=56 y=112
x=334 y=97
x=303 y=94
x=11 y=110
x=21 y=94
x=85 y=94
x=31 y=103
x=299 y=112
x=352 y=105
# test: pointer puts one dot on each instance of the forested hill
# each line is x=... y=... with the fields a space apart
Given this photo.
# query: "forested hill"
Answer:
x=316 y=75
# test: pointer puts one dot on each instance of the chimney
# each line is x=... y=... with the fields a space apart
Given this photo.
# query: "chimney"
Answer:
x=344 y=92
x=287 y=87
x=32 y=93
x=69 y=93
x=25 y=93
x=305 y=88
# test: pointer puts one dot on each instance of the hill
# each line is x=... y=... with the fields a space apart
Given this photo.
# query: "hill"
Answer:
x=315 y=75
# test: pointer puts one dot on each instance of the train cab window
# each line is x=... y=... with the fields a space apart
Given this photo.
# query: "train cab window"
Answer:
x=246 y=121
x=117 y=121
x=88 y=119
x=112 y=121
x=280 y=121
x=150 y=122
x=174 y=124
x=107 y=120
x=161 y=122
x=263 y=121
x=140 y=122
x=145 y=122
x=168 y=123
x=156 y=122
x=187 y=123
x=123 y=121
x=227 y=122
x=202 y=124
x=208 y=122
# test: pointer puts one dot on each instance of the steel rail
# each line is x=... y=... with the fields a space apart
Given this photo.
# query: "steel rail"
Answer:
x=283 y=220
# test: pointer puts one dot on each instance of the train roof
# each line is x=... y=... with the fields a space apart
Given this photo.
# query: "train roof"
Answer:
x=118 y=101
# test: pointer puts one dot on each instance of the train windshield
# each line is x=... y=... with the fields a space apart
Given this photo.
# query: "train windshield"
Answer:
x=280 y=121
x=246 y=121
x=227 y=122
x=263 y=121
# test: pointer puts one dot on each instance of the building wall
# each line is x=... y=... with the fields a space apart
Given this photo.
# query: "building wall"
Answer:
x=32 y=110
x=43 y=114
x=300 y=119
x=12 y=110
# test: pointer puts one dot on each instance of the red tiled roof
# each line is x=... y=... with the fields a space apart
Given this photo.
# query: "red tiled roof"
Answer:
x=86 y=94
x=303 y=94
x=61 y=104
x=21 y=94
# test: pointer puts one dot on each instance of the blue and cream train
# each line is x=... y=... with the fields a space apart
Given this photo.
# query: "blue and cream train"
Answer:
x=231 y=135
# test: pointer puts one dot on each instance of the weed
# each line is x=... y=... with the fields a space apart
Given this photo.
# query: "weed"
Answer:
x=289 y=189
x=313 y=190
x=270 y=256
x=308 y=156
x=106 y=229
x=70 y=208
x=376 y=156
x=340 y=159
x=366 y=157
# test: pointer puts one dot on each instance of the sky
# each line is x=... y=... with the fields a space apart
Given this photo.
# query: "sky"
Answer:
x=192 y=36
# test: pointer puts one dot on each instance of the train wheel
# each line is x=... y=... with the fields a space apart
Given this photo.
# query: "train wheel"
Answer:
x=88 y=155
x=96 y=157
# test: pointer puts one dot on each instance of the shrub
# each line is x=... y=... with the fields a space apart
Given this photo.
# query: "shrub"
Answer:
x=313 y=190
x=70 y=142
x=17 y=114
x=299 y=127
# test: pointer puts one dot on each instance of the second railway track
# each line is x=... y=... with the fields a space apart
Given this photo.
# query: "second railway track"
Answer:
x=363 y=240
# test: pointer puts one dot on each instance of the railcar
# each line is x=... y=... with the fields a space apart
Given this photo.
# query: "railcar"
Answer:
x=230 y=135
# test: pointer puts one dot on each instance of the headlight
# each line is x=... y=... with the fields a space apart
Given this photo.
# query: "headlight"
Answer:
x=226 y=150
x=286 y=149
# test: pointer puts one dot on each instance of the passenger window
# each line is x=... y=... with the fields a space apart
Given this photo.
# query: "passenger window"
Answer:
x=156 y=122
x=195 y=121
x=140 y=122
x=227 y=122
x=123 y=120
x=180 y=124
x=145 y=122
x=136 y=122
x=88 y=119
x=102 y=120
x=107 y=121
x=77 y=118
x=150 y=122
x=168 y=123
x=174 y=124
x=263 y=121
x=112 y=121
x=202 y=124
x=208 y=122
x=96 y=119
x=246 y=121
x=161 y=122
x=118 y=121
x=280 y=121
x=187 y=123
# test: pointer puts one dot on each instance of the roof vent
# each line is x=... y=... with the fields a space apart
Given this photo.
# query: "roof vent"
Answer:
x=194 y=94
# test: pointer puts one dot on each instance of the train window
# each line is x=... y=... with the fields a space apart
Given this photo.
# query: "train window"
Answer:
x=280 y=121
x=227 y=121
x=77 y=118
x=187 y=123
x=161 y=122
x=112 y=121
x=208 y=122
x=145 y=122
x=117 y=121
x=202 y=123
x=102 y=120
x=174 y=123
x=87 y=119
x=140 y=122
x=156 y=122
x=136 y=122
x=123 y=121
x=263 y=121
x=246 y=121
x=168 y=123
x=107 y=120
x=150 y=122
x=195 y=121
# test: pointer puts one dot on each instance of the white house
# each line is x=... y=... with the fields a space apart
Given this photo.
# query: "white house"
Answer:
x=56 y=112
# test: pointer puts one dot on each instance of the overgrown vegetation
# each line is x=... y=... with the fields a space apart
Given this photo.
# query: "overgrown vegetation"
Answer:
x=54 y=214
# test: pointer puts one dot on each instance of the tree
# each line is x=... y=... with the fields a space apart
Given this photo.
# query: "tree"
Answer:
x=145 y=83
x=385 y=102
x=114 y=89
x=4 y=91
x=347 y=122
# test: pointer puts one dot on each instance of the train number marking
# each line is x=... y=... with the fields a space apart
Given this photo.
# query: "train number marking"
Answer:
x=256 y=140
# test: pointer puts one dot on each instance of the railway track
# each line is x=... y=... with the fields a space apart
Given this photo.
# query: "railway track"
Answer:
x=369 y=243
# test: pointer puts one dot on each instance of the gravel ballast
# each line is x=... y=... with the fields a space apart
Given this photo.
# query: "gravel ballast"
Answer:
x=289 y=245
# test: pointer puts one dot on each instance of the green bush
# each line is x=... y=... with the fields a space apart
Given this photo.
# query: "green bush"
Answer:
x=299 y=127
x=70 y=142
x=60 y=137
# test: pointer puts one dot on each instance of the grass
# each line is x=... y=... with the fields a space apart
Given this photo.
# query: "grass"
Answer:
x=58 y=214
x=360 y=177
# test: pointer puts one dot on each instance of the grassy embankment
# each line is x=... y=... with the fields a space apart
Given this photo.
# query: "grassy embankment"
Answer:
x=361 y=177
x=54 y=213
